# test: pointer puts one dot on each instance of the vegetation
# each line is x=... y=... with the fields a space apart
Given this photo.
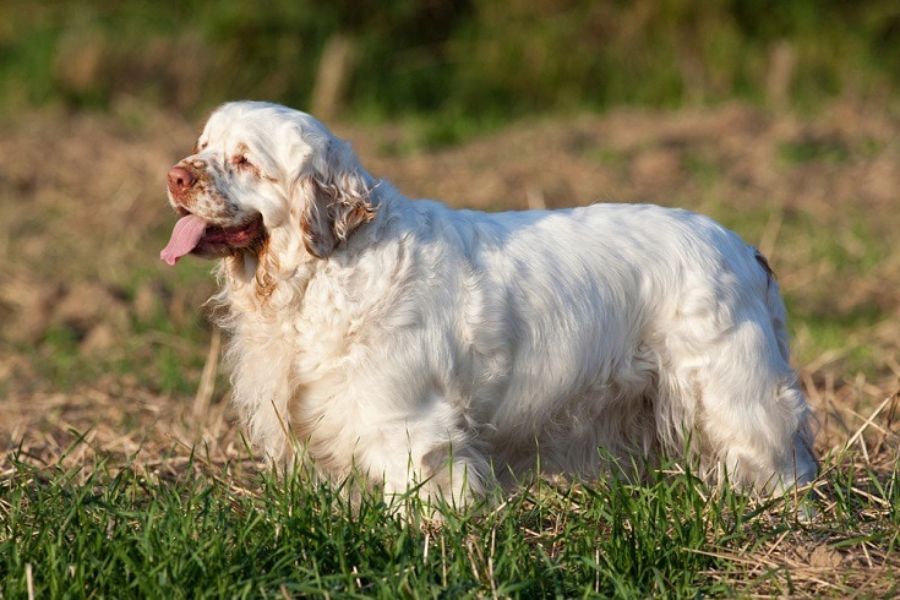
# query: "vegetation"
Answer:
x=465 y=61
x=199 y=533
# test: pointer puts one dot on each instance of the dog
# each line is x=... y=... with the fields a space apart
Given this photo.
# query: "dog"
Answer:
x=455 y=350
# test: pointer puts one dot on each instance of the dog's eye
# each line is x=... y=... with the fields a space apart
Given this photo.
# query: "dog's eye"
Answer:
x=240 y=161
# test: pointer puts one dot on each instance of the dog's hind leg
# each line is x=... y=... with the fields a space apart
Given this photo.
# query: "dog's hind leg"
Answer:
x=746 y=409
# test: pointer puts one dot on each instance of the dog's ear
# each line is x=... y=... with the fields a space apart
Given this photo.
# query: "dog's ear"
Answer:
x=337 y=200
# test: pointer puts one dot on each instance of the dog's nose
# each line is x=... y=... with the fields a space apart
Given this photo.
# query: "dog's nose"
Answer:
x=180 y=179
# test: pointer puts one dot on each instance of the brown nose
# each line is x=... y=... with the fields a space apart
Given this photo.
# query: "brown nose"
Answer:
x=180 y=179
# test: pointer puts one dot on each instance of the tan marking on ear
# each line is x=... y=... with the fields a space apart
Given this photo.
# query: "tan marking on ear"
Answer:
x=361 y=214
x=338 y=202
x=347 y=212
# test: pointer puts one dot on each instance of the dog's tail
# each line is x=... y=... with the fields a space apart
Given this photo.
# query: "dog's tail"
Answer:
x=775 y=305
x=805 y=464
x=764 y=263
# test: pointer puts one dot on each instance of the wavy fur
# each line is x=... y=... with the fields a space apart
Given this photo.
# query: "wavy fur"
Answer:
x=417 y=343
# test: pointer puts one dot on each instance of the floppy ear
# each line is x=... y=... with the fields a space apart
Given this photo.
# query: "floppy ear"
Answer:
x=337 y=200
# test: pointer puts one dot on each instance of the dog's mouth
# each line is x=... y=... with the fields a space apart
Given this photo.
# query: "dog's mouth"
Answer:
x=193 y=235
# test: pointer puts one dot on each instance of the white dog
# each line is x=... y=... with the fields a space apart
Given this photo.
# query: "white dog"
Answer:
x=415 y=343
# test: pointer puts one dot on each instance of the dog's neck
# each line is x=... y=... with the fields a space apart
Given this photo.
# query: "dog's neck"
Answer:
x=272 y=276
x=260 y=282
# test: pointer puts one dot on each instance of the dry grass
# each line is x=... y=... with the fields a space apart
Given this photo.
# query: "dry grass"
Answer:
x=101 y=343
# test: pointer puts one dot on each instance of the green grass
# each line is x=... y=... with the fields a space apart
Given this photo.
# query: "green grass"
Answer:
x=812 y=150
x=164 y=359
x=163 y=354
x=96 y=532
x=468 y=63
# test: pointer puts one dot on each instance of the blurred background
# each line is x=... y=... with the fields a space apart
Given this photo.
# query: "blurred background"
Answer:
x=781 y=119
x=471 y=63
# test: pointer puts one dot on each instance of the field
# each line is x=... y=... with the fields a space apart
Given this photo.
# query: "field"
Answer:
x=125 y=474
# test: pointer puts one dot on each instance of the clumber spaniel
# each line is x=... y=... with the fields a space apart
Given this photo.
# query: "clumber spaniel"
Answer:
x=458 y=349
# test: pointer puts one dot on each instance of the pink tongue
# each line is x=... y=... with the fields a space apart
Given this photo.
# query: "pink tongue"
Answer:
x=185 y=237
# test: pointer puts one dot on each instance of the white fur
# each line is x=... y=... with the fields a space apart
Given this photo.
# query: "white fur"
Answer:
x=455 y=346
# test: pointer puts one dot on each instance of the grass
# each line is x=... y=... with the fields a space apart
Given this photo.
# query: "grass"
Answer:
x=101 y=530
x=462 y=65
x=805 y=151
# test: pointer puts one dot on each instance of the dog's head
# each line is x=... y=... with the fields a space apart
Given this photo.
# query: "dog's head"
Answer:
x=258 y=167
